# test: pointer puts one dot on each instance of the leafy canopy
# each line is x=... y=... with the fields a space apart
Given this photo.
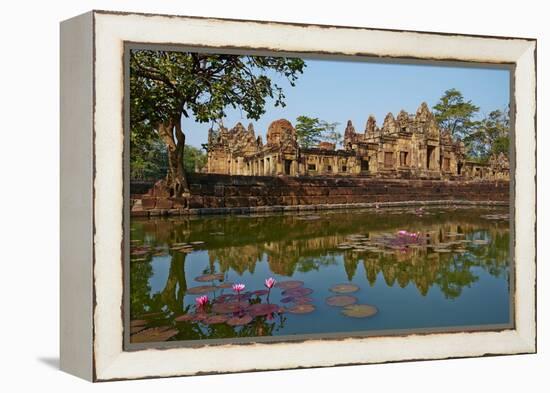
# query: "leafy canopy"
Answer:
x=455 y=114
x=194 y=159
x=491 y=136
x=310 y=131
x=482 y=138
x=165 y=85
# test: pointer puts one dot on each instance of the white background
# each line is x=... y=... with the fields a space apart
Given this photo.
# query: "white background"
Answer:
x=29 y=196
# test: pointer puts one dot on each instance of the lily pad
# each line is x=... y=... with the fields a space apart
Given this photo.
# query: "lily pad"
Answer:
x=185 y=318
x=262 y=309
x=154 y=334
x=297 y=292
x=185 y=250
x=301 y=309
x=287 y=299
x=344 y=288
x=200 y=316
x=209 y=277
x=341 y=300
x=359 y=311
x=138 y=322
x=215 y=319
x=260 y=292
x=225 y=285
x=289 y=284
x=136 y=329
x=239 y=320
x=302 y=300
x=226 y=308
x=201 y=289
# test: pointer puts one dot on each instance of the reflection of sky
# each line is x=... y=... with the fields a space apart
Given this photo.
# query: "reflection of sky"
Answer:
x=161 y=266
x=484 y=301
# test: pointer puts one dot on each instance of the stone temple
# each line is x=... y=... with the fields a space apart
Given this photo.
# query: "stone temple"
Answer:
x=406 y=146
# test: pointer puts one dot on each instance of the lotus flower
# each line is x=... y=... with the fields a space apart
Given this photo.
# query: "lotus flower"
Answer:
x=238 y=287
x=269 y=282
x=201 y=301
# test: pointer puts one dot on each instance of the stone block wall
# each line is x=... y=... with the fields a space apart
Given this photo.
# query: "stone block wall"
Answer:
x=223 y=193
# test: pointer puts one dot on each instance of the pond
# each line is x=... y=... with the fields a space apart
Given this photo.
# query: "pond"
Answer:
x=340 y=271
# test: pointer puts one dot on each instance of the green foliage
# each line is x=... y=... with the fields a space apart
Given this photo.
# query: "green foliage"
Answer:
x=148 y=158
x=455 y=114
x=491 y=136
x=165 y=85
x=482 y=138
x=194 y=159
x=310 y=131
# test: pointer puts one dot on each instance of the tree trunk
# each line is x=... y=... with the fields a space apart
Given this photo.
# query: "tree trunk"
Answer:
x=176 y=179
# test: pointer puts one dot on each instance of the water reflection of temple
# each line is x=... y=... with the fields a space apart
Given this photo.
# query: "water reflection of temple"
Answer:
x=419 y=266
x=289 y=244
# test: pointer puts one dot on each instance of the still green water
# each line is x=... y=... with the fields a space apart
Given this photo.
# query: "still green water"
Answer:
x=453 y=272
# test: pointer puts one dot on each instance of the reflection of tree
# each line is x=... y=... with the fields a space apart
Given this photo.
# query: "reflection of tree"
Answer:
x=140 y=273
x=449 y=271
x=308 y=264
x=176 y=285
x=290 y=244
x=454 y=277
x=350 y=265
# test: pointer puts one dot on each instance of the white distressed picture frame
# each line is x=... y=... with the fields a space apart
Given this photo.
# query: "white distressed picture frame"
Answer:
x=92 y=219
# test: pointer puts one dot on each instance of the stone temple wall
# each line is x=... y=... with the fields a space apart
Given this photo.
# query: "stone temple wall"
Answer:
x=242 y=194
x=409 y=146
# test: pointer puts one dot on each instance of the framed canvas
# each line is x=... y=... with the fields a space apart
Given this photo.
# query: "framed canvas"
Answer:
x=193 y=244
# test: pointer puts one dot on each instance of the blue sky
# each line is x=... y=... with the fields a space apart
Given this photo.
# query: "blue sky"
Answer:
x=338 y=91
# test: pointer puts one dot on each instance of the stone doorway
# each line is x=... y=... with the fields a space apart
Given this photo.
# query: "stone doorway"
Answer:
x=429 y=156
x=288 y=166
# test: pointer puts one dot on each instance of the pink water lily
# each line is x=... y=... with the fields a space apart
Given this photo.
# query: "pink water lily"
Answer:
x=201 y=301
x=269 y=282
x=409 y=234
x=238 y=287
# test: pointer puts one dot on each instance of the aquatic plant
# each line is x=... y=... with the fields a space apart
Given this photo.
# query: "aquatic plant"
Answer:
x=410 y=235
x=269 y=282
x=238 y=288
x=201 y=301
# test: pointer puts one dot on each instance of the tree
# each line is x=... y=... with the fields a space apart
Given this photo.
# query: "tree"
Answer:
x=148 y=158
x=310 y=131
x=491 y=136
x=194 y=159
x=454 y=114
x=166 y=86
